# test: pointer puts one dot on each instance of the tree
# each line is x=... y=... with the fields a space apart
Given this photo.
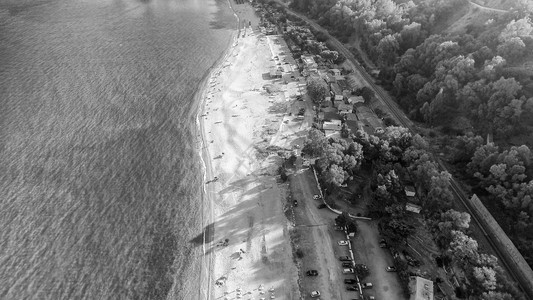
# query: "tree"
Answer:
x=361 y=271
x=517 y=28
x=318 y=89
x=387 y=50
x=367 y=93
x=315 y=144
x=463 y=248
x=329 y=55
x=335 y=175
x=454 y=220
x=485 y=279
x=345 y=131
x=496 y=296
x=344 y=220
x=411 y=35
x=465 y=146
x=484 y=157
x=440 y=195
x=512 y=49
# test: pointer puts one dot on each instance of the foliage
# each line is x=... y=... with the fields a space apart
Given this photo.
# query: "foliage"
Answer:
x=346 y=221
x=317 y=89
x=361 y=271
x=463 y=248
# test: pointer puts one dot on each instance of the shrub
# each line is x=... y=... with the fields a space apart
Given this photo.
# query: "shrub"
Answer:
x=390 y=122
x=300 y=253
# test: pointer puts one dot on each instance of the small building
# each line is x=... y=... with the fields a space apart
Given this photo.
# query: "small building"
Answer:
x=413 y=208
x=351 y=117
x=331 y=116
x=344 y=108
x=333 y=125
x=335 y=89
x=343 y=84
x=337 y=102
x=329 y=109
x=275 y=72
x=309 y=63
x=336 y=72
x=410 y=191
x=356 y=99
x=421 y=288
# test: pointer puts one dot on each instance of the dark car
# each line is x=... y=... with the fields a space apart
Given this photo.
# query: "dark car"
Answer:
x=391 y=269
x=347 y=265
x=367 y=285
x=320 y=206
x=345 y=258
x=351 y=287
x=382 y=243
x=312 y=273
x=349 y=281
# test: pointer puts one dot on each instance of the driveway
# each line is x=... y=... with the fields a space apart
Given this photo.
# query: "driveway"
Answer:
x=367 y=251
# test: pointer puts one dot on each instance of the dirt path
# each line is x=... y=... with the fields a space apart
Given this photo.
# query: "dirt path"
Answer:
x=488 y=8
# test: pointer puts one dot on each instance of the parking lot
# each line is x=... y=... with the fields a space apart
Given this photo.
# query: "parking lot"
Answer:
x=317 y=238
x=367 y=251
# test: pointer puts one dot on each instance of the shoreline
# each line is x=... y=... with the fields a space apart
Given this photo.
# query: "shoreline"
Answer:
x=246 y=242
x=207 y=197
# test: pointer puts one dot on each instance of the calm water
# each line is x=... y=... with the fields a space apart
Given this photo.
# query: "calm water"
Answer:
x=100 y=188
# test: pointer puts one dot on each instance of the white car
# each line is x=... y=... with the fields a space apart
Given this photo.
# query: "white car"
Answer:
x=315 y=294
x=367 y=285
x=342 y=243
x=348 y=271
x=316 y=197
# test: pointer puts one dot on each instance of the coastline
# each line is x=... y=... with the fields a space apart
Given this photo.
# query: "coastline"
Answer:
x=208 y=190
x=208 y=198
x=246 y=234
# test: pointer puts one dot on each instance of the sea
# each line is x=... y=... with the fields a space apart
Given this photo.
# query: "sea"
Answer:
x=100 y=173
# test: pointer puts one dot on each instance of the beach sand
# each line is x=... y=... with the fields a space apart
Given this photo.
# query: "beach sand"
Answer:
x=249 y=255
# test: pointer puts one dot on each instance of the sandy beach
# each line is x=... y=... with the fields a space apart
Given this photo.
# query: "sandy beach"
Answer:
x=247 y=247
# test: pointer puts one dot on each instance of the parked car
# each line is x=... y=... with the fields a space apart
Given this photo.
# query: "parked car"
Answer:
x=391 y=269
x=339 y=228
x=347 y=265
x=382 y=243
x=348 y=271
x=315 y=294
x=345 y=258
x=295 y=203
x=351 y=287
x=367 y=285
x=312 y=273
x=350 y=281
x=321 y=206
x=342 y=243
x=316 y=196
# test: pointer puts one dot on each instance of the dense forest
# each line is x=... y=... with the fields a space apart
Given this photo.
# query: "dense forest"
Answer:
x=460 y=68
x=477 y=76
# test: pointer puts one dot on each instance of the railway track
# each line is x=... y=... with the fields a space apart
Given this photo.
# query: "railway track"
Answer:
x=405 y=122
